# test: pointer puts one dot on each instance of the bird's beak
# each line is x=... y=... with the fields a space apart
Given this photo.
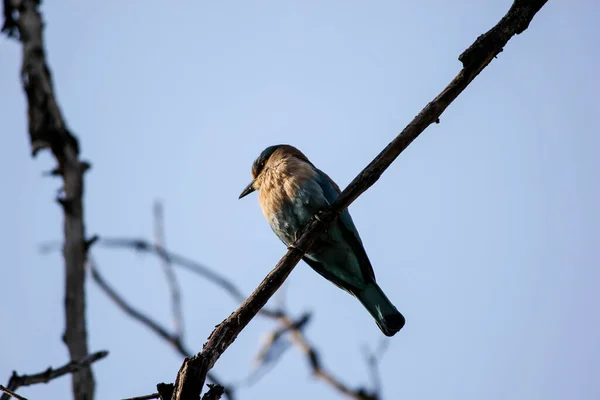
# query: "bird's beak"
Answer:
x=249 y=189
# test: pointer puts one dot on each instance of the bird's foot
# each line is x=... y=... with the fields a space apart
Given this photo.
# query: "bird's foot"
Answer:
x=294 y=247
x=318 y=216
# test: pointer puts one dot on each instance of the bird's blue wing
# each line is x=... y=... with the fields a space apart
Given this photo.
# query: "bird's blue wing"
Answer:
x=331 y=191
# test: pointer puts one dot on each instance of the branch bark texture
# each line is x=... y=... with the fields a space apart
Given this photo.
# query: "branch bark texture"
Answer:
x=192 y=373
x=48 y=130
x=16 y=381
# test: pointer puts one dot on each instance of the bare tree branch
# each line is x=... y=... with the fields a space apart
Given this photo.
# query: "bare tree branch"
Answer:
x=16 y=381
x=287 y=325
x=191 y=376
x=173 y=339
x=177 y=260
x=47 y=129
x=146 y=397
x=9 y=393
x=160 y=243
x=214 y=392
x=317 y=367
x=139 y=316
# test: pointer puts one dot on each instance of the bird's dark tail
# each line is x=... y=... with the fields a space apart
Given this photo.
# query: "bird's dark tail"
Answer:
x=387 y=317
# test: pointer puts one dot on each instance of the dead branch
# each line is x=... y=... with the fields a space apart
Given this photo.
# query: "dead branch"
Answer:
x=214 y=392
x=146 y=397
x=145 y=246
x=159 y=242
x=191 y=376
x=287 y=324
x=47 y=129
x=16 y=381
x=373 y=358
x=317 y=367
x=9 y=393
x=172 y=338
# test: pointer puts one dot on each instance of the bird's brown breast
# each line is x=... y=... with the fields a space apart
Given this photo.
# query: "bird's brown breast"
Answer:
x=281 y=182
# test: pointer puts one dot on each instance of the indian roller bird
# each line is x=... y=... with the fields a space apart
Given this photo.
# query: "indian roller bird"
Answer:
x=291 y=190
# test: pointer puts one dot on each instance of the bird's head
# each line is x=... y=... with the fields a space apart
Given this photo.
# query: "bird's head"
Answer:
x=269 y=157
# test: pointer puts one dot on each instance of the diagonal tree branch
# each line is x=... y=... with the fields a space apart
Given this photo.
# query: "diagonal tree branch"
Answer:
x=16 y=381
x=47 y=129
x=212 y=276
x=173 y=339
x=192 y=373
x=287 y=325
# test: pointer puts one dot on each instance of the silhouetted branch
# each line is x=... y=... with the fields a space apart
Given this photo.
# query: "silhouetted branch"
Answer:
x=9 y=393
x=268 y=353
x=159 y=242
x=165 y=390
x=173 y=339
x=318 y=370
x=47 y=129
x=139 y=316
x=146 y=397
x=214 y=392
x=143 y=245
x=191 y=376
x=265 y=354
x=16 y=381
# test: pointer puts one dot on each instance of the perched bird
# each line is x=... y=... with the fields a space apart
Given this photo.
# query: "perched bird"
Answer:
x=291 y=190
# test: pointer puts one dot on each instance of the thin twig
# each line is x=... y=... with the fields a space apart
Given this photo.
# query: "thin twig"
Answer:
x=144 y=319
x=16 y=381
x=146 y=397
x=9 y=393
x=373 y=358
x=274 y=346
x=160 y=243
x=143 y=245
x=190 y=378
x=214 y=392
x=48 y=130
x=317 y=367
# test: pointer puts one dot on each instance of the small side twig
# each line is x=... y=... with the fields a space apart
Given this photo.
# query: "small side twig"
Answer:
x=317 y=367
x=9 y=393
x=160 y=243
x=143 y=245
x=214 y=392
x=173 y=339
x=16 y=381
x=373 y=358
x=146 y=397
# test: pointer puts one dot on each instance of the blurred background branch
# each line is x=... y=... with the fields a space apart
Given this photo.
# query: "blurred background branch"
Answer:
x=286 y=331
x=16 y=381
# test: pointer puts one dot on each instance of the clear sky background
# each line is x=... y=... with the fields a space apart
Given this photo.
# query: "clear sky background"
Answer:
x=484 y=232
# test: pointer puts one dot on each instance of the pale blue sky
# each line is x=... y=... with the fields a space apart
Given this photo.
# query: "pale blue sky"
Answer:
x=484 y=233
